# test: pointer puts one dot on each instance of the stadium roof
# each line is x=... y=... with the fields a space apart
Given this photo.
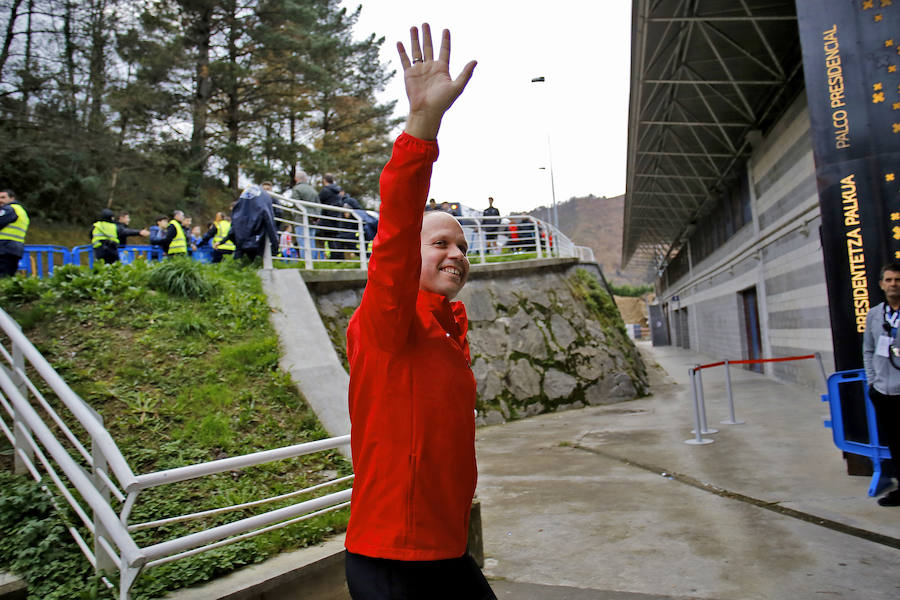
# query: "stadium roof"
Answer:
x=708 y=78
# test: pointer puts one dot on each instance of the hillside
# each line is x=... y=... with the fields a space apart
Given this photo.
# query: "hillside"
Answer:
x=596 y=222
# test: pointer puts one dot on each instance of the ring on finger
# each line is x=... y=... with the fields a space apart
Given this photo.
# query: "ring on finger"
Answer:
x=417 y=60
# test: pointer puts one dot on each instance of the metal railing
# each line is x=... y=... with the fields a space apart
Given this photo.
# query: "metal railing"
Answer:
x=311 y=232
x=39 y=417
x=701 y=427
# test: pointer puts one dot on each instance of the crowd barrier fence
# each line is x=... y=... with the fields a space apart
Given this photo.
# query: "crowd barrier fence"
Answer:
x=873 y=449
x=701 y=427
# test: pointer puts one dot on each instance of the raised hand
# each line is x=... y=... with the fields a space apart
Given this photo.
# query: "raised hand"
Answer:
x=429 y=87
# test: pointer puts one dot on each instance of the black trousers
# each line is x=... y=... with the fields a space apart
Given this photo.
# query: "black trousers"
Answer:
x=887 y=413
x=218 y=255
x=383 y=579
x=9 y=264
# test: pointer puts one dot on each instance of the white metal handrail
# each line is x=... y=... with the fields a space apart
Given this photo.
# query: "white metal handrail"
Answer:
x=486 y=235
x=38 y=448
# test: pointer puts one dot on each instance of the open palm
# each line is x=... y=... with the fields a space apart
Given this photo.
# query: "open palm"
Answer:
x=429 y=87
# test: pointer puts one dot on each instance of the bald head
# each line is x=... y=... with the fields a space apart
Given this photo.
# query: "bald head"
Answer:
x=435 y=219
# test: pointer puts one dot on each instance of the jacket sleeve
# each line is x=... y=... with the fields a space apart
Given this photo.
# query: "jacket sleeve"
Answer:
x=869 y=339
x=388 y=305
x=210 y=234
x=7 y=215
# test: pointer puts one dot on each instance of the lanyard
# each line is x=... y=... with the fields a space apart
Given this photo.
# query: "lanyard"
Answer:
x=892 y=318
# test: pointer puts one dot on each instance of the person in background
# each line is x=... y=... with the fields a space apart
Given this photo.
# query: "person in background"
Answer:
x=123 y=232
x=218 y=233
x=253 y=224
x=13 y=229
x=881 y=358
x=105 y=238
x=491 y=224
x=158 y=231
x=175 y=243
x=286 y=243
x=432 y=205
x=412 y=392
x=201 y=241
x=303 y=191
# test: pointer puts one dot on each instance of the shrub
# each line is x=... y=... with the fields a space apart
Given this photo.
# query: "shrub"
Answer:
x=183 y=278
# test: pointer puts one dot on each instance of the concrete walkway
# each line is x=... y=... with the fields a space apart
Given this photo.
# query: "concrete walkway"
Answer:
x=609 y=502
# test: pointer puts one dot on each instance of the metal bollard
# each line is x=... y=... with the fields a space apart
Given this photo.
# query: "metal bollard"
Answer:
x=818 y=356
x=697 y=440
x=706 y=430
x=733 y=420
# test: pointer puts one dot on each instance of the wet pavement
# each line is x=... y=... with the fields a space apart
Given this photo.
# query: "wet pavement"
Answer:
x=608 y=502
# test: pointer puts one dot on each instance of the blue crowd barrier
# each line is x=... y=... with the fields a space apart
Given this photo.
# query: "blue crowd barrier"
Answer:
x=875 y=451
x=39 y=260
x=203 y=255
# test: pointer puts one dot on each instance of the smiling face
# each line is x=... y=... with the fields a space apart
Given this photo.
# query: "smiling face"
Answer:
x=444 y=263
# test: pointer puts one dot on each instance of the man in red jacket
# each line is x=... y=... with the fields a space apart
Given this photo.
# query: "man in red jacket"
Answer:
x=412 y=393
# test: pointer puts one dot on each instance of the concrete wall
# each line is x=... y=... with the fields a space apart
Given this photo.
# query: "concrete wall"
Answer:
x=778 y=253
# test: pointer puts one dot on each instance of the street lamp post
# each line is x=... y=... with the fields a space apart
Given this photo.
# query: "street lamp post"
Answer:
x=541 y=79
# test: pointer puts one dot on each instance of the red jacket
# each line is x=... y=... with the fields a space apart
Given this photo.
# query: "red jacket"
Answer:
x=412 y=392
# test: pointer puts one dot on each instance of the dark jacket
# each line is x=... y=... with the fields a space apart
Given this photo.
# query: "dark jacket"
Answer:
x=124 y=233
x=331 y=195
x=253 y=220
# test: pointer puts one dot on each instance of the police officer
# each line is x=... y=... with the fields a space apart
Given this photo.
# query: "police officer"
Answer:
x=219 y=232
x=105 y=238
x=175 y=243
x=13 y=227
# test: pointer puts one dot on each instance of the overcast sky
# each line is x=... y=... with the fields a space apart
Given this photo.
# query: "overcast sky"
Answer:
x=494 y=140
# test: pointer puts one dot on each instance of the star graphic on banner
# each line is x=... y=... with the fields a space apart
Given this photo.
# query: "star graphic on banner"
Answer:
x=892 y=68
x=888 y=43
x=886 y=3
x=896 y=127
x=878 y=18
x=876 y=87
x=897 y=254
x=867 y=4
x=889 y=177
x=879 y=97
x=895 y=216
x=896 y=105
x=896 y=231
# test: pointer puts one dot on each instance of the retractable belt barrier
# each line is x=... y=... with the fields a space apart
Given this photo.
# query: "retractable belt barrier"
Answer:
x=700 y=425
x=874 y=450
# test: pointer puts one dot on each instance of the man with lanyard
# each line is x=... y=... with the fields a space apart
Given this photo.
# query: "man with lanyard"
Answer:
x=13 y=227
x=175 y=242
x=881 y=357
x=105 y=238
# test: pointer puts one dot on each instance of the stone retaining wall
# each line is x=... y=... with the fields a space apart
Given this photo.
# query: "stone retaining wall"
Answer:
x=543 y=339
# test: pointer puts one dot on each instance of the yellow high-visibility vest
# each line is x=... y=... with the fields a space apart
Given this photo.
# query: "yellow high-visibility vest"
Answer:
x=222 y=229
x=15 y=231
x=179 y=243
x=104 y=231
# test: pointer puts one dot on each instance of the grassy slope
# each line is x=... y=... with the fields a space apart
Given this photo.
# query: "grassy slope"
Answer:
x=178 y=380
